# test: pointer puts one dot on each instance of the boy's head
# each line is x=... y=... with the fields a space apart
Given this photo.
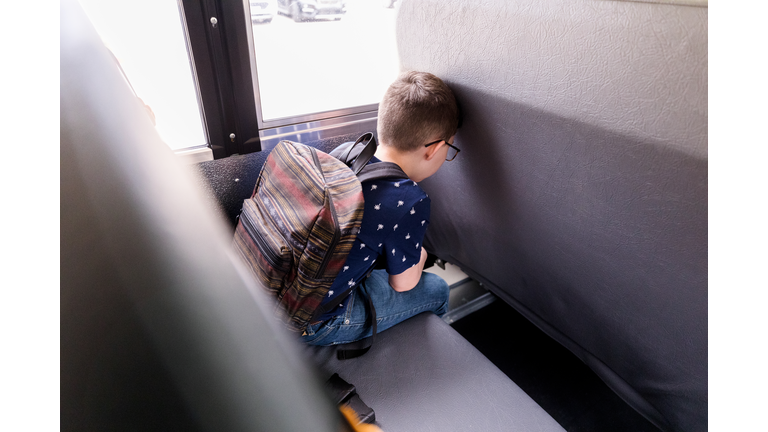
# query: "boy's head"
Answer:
x=416 y=109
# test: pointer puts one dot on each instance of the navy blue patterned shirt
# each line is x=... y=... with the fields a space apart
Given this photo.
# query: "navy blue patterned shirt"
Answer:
x=395 y=219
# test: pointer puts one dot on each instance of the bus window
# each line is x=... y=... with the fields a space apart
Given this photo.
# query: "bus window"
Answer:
x=321 y=56
x=147 y=38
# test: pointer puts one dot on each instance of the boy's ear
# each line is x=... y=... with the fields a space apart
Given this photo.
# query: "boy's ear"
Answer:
x=432 y=150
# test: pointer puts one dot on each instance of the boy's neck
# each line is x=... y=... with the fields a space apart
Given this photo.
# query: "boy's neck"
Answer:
x=406 y=161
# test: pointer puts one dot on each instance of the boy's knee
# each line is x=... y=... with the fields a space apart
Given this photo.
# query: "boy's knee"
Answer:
x=436 y=285
x=438 y=291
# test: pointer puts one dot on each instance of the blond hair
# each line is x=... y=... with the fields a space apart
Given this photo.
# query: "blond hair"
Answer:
x=417 y=107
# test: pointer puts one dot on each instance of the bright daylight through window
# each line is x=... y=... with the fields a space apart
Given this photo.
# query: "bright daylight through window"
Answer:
x=147 y=38
x=322 y=55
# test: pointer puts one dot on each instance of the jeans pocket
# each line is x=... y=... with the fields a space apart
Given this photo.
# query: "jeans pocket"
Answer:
x=311 y=329
x=316 y=334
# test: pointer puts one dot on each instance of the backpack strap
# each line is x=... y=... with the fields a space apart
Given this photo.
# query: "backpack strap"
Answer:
x=321 y=310
x=381 y=170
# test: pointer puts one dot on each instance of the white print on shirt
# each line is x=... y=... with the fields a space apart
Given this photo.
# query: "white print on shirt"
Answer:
x=397 y=184
x=403 y=258
x=362 y=245
x=413 y=210
x=346 y=268
x=395 y=228
x=374 y=187
x=417 y=245
x=423 y=222
x=414 y=183
x=393 y=252
x=351 y=282
x=407 y=236
x=380 y=246
x=330 y=293
x=380 y=227
x=377 y=206
x=399 y=203
x=366 y=258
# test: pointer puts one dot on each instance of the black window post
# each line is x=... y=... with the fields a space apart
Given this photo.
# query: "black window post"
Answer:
x=217 y=35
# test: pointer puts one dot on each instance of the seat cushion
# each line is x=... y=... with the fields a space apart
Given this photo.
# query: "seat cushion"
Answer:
x=421 y=375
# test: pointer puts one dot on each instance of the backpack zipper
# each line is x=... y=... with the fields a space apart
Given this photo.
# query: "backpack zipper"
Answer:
x=334 y=241
x=272 y=258
x=334 y=220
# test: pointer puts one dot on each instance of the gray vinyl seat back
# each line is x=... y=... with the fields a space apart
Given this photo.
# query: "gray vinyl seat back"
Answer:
x=161 y=328
x=580 y=194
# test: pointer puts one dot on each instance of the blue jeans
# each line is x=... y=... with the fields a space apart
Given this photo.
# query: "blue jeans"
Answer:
x=392 y=307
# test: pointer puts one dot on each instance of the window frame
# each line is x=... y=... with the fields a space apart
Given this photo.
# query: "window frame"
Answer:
x=226 y=73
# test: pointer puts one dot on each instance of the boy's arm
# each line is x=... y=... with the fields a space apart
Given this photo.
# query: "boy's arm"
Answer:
x=408 y=279
x=405 y=254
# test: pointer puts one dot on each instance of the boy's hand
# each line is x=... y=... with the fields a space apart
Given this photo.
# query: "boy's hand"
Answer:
x=408 y=279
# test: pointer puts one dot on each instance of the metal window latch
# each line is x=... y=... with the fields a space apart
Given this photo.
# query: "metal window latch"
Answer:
x=214 y=21
x=232 y=137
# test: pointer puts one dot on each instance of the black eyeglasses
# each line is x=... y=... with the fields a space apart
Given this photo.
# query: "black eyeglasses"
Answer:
x=452 y=150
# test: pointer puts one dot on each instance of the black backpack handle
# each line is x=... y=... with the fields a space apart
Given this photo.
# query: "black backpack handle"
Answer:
x=356 y=154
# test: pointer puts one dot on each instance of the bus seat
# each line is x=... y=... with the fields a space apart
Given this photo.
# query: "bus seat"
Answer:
x=161 y=327
x=580 y=194
x=421 y=375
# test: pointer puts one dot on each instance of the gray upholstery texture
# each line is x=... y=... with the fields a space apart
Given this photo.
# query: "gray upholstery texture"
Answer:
x=580 y=194
x=421 y=375
x=161 y=326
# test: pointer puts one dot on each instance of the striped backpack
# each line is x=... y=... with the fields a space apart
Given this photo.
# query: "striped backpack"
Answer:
x=298 y=227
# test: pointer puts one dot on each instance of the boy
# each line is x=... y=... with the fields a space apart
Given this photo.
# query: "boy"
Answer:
x=417 y=121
